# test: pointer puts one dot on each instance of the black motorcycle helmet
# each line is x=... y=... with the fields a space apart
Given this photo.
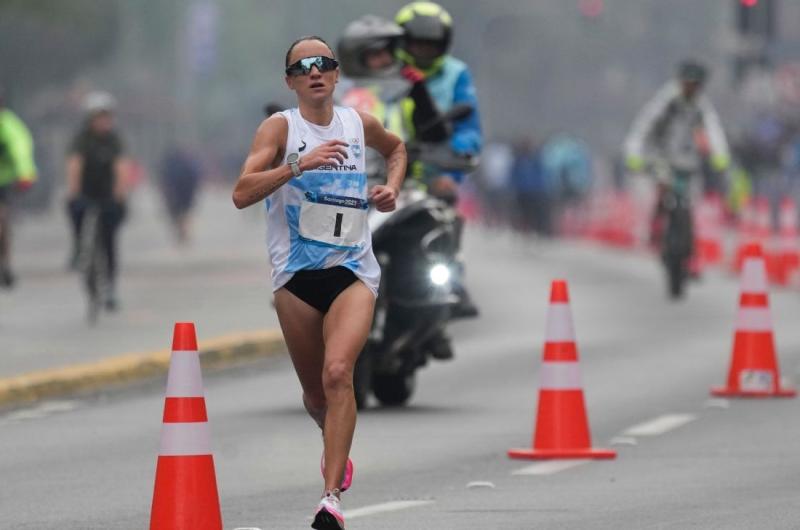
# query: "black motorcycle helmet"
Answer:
x=425 y=22
x=364 y=34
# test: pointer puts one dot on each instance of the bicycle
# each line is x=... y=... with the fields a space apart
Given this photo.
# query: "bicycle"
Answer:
x=677 y=244
x=93 y=260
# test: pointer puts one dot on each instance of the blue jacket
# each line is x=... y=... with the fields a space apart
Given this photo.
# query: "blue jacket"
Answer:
x=450 y=85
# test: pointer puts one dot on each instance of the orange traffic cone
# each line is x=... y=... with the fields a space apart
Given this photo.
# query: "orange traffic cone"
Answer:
x=747 y=232
x=185 y=495
x=754 y=365
x=708 y=229
x=789 y=249
x=562 y=428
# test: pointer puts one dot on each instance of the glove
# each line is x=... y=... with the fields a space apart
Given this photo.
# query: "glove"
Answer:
x=720 y=162
x=635 y=163
x=412 y=75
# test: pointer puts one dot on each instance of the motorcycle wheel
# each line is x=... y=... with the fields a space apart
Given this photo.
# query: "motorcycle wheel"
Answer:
x=394 y=390
x=362 y=378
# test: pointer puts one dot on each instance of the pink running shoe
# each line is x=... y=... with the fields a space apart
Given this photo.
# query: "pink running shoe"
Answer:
x=329 y=514
x=347 y=479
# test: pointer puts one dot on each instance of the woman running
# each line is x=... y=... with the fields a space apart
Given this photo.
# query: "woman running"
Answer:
x=307 y=164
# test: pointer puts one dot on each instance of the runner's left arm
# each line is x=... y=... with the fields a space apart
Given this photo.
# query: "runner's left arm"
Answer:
x=394 y=151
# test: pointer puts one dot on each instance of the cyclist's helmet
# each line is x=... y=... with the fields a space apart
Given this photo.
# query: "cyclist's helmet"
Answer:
x=97 y=102
x=367 y=33
x=427 y=22
x=691 y=71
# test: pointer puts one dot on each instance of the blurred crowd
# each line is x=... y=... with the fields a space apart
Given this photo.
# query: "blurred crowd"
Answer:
x=767 y=161
x=524 y=184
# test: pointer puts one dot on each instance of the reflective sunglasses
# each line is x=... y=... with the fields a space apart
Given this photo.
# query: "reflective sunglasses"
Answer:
x=303 y=66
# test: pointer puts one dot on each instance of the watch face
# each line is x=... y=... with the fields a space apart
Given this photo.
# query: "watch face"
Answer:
x=292 y=158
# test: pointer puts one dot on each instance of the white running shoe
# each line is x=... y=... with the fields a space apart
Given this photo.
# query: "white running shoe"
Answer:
x=329 y=513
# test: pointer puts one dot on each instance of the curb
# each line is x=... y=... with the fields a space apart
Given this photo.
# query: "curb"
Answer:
x=58 y=382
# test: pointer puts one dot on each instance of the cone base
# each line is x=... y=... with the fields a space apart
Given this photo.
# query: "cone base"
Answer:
x=545 y=454
x=733 y=392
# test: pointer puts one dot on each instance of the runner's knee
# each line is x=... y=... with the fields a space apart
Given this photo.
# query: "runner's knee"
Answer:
x=337 y=376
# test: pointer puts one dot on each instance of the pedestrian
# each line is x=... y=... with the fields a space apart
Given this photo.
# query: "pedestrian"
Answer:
x=307 y=164
x=180 y=176
x=532 y=189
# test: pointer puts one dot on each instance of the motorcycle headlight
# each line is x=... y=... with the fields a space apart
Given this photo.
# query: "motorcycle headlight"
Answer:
x=440 y=274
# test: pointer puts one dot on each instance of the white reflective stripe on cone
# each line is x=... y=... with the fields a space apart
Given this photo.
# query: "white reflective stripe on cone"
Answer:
x=184 y=379
x=753 y=319
x=559 y=324
x=560 y=376
x=185 y=439
x=754 y=276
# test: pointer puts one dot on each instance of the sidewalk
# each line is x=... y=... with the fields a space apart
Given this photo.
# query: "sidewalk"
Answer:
x=220 y=282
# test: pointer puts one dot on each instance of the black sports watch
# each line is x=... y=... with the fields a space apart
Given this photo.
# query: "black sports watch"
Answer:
x=294 y=164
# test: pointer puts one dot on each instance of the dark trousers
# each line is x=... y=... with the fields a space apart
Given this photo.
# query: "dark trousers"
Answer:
x=112 y=214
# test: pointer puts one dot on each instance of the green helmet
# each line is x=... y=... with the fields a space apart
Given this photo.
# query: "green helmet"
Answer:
x=428 y=22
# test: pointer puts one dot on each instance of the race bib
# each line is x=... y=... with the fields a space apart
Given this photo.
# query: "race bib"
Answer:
x=334 y=220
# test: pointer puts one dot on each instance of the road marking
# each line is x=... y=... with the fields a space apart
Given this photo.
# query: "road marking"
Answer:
x=480 y=484
x=392 y=506
x=43 y=410
x=623 y=440
x=660 y=425
x=717 y=403
x=550 y=467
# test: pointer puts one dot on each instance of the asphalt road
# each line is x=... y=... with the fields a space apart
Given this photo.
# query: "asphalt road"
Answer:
x=440 y=463
x=220 y=281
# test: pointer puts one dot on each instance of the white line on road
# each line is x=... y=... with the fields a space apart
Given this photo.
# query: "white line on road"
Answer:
x=43 y=410
x=550 y=467
x=660 y=425
x=392 y=506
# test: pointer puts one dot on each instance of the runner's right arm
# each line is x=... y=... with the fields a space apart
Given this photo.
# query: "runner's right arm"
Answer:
x=261 y=174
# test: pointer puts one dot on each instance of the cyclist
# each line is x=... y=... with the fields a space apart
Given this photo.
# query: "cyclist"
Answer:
x=666 y=130
x=95 y=178
x=307 y=164
x=17 y=172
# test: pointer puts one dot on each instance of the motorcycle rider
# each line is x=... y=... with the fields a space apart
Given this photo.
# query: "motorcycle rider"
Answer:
x=666 y=131
x=428 y=34
x=367 y=50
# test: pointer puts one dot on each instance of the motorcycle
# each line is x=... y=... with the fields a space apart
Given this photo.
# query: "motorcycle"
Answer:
x=415 y=245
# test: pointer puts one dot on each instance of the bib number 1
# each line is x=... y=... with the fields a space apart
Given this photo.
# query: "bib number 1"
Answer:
x=333 y=220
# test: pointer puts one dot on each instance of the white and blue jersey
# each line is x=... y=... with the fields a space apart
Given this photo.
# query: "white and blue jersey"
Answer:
x=319 y=219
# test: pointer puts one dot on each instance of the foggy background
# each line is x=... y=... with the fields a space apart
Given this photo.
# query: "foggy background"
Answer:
x=197 y=72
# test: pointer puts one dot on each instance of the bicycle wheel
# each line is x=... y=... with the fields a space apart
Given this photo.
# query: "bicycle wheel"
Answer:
x=90 y=260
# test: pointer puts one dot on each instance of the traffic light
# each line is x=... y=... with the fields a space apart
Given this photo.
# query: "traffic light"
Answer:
x=756 y=17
